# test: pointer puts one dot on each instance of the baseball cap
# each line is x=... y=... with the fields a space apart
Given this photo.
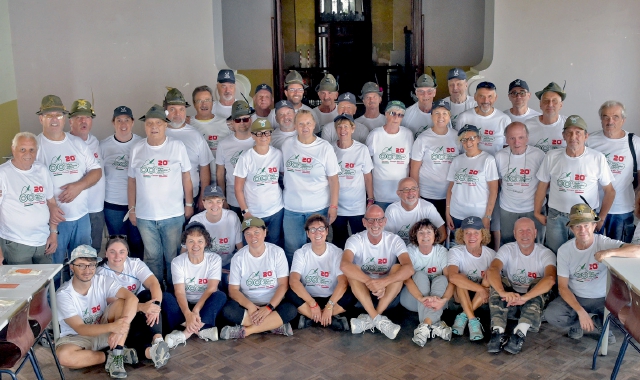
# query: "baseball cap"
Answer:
x=155 y=112
x=487 y=85
x=472 y=222
x=518 y=83
x=575 y=121
x=51 y=103
x=441 y=103
x=395 y=103
x=468 y=128
x=581 y=213
x=284 y=103
x=553 y=86
x=456 y=73
x=226 y=76
x=82 y=107
x=344 y=116
x=213 y=191
x=260 y=125
x=263 y=86
x=252 y=222
x=84 y=251
x=347 y=97
x=122 y=110
x=192 y=225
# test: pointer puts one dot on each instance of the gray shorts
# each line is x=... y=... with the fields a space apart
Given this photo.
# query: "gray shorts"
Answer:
x=93 y=343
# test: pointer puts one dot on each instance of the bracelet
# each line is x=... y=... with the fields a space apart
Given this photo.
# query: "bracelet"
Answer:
x=269 y=306
x=332 y=206
x=371 y=199
x=313 y=307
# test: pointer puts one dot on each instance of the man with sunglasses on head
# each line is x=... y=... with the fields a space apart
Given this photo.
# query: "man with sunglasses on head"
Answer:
x=92 y=330
x=73 y=169
x=230 y=149
x=519 y=96
x=376 y=263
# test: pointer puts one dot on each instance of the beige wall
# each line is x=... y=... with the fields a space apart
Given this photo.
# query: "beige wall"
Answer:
x=9 y=122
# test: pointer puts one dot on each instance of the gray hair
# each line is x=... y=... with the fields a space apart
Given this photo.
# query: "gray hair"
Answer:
x=612 y=103
x=304 y=112
x=201 y=89
x=515 y=123
x=26 y=135
x=394 y=108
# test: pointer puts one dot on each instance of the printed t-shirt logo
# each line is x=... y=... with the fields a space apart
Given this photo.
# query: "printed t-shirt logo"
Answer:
x=430 y=271
x=347 y=169
x=586 y=272
x=155 y=168
x=266 y=176
x=376 y=266
x=261 y=279
x=404 y=232
x=63 y=165
x=487 y=136
x=475 y=275
x=443 y=155
x=212 y=141
x=221 y=246
x=234 y=158
x=616 y=162
x=468 y=176
x=518 y=177
x=30 y=196
x=297 y=163
x=391 y=154
x=522 y=277
x=191 y=285
x=546 y=144
x=316 y=277
x=91 y=315
x=121 y=162
x=568 y=182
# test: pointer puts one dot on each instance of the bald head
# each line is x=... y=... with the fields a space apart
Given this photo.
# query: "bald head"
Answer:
x=524 y=230
x=517 y=136
x=374 y=211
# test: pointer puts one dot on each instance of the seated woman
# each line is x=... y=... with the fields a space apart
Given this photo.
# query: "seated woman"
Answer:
x=428 y=290
x=145 y=333
x=468 y=265
x=196 y=300
x=318 y=288
x=258 y=281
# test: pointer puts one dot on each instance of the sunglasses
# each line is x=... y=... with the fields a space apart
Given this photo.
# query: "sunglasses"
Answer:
x=242 y=119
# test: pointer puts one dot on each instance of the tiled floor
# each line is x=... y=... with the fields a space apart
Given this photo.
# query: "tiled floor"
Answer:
x=316 y=353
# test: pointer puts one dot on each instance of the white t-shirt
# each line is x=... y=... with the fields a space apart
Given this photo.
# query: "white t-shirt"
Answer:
x=132 y=277
x=197 y=150
x=375 y=260
x=390 y=154
x=90 y=307
x=470 y=177
x=221 y=111
x=24 y=214
x=436 y=152
x=572 y=177
x=229 y=151
x=158 y=174
x=68 y=161
x=225 y=234
x=546 y=137
x=399 y=220
x=318 y=274
x=372 y=123
x=522 y=269
x=96 y=193
x=360 y=134
x=212 y=130
x=325 y=118
x=416 y=120
x=307 y=168
x=474 y=267
x=195 y=277
x=458 y=108
x=258 y=276
x=432 y=264
x=620 y=161
x=587 y=277
x=261 y=172
x=276 y=125
x=116 y=156
x=521 y=118
x=354 y=163
x=491 y=128
x=519 y=181
x=278 y=137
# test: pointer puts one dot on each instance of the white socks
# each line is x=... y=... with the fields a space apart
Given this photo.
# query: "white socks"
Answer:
x=522 y=327
x=500 y=329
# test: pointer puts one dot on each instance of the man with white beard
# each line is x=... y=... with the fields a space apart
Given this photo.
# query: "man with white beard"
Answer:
x=226 y=88
x=284 y=115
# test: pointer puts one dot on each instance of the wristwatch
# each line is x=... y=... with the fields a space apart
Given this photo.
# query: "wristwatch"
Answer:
x=488 y=217
x=245 y=211
x=188 y=204
x=156 y=303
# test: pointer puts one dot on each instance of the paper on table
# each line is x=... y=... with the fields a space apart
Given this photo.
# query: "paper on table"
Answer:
x=5 y=303
x=8 y=286
x=24 y=271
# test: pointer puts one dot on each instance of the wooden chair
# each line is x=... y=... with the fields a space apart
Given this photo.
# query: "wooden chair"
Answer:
x=632 y=325
x=617 y=302
x=16 y=345
x=39 y=318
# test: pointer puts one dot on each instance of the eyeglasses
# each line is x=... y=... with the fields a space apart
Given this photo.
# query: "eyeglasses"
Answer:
x=123 y=237
x=516 y=94
x=465 y=139
x=398 y=114
x=53 y=116
x=376 y=220
x=85 y=266
x=407 y=190
x=263 y=133
x=425 y=92
x=200 y=101
x=313 y=230
x=242 y=119
x=294 y=90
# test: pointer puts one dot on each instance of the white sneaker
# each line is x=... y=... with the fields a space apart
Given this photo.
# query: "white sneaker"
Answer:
x=441 y=330
x=285 y=330
x=386 y=327
x=361 y=324
x=159 y=353
x=421 y=334
x=210 y=334
x=174 y=338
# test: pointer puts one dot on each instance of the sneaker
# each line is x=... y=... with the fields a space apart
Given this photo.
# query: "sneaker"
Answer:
x=339 y=323
x=115 y=364
x=598 y=324
x=441 y=330
x=475 y=329
x=387 y=327
x=575 y=333
x=304 y=322
x=210 y=334
x=159 y=353
x=421 y=334
x=285 y=330
x=496 y=343
x=232 y=332
x=516 y=340
x=361 y=324
x=130 y=356
x=174 y=338
x=459 y=324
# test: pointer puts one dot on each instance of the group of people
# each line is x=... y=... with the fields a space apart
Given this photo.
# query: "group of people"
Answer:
x=245 y=217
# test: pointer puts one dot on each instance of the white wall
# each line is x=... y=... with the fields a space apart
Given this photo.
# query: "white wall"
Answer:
x=453 y=32
x=125 y=51
x=7 y=75
x=593 y=45
x=246 y=26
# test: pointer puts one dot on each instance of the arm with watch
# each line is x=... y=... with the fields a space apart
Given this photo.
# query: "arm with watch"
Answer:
x=310 y=308
x=239 y=191
x=151 y=308
x=338 y=292
x=259 y=315
x=491 y=202
x=187 y=186
x=334 y=189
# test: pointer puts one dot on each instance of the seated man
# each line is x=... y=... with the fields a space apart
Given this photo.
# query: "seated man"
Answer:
x=528 y=274
x=369 y=262
x=87 y=324
x=582 y=278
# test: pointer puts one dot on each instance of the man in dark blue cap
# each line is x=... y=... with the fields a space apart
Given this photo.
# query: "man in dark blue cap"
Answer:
x=458 y=97
x=519 y=96
x=263 y=100
x=346 y=105
x=284 y=114
x=226 y=88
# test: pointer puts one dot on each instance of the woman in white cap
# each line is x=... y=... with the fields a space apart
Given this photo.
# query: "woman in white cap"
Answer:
x=258 y=281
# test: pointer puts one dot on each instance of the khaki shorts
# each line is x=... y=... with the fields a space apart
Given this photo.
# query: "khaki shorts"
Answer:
x=93 y=343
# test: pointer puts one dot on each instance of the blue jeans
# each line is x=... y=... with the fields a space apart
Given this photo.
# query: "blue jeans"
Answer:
x=509 y=219
x=340 y=230
x=294 y=234
x=274 y=228
x=71 y=234
x=113 y=215
x=619 y=227
x=208 y=313
x=161 y=241
x=97 y=228
x=557 y=231
x=384 y=205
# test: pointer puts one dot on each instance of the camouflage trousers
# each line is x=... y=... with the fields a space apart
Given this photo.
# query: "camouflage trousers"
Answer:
x=530 y=312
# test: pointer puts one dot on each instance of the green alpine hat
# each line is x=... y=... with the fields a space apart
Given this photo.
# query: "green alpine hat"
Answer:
x=252 y=222
x=155 y=112
x=174 y=98
x=240 y=108
x=82 y=107
x=553 y=86
x=260 y=125
x=581 y=213
x=370 y=87
x=575 y=121
x=424 y=80
x=328 y=83
x=294 y=77
x=51 y=103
